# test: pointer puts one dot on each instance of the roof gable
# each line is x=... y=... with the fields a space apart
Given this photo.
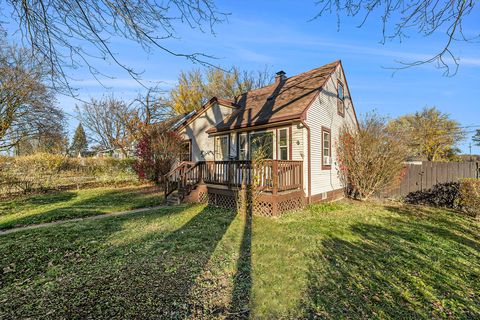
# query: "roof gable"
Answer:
x=190 y=117
x=283 y=100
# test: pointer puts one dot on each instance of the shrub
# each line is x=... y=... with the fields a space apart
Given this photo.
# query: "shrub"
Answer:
x=370 y=157
x=47 y=171
x=440 y=195
x=469 y=196
x=157 y=152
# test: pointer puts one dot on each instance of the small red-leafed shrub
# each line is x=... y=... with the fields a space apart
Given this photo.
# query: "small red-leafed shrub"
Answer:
x=156 y=153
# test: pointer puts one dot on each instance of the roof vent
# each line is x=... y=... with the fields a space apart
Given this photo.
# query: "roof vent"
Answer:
x=281 y=75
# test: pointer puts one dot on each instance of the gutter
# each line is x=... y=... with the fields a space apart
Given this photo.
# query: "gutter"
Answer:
x=309 y=161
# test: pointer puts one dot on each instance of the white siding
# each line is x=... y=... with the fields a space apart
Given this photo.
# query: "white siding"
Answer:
x=300 y=150
x=202 y=144
x=323 y=112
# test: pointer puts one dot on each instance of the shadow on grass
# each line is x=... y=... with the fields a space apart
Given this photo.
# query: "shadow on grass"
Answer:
x=7 y=206
x=464 y=225
x=152 y=276
x=408 y=269
x=104 y=202
x=242 y=282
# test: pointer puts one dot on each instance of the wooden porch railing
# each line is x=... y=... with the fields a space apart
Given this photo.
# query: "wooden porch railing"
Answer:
x=272 y=176
x=173 y=178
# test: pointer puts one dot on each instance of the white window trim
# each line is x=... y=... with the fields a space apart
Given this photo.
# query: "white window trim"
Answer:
x=247 y=145
x=217 y=152
x=287 y=146
x=326 y=160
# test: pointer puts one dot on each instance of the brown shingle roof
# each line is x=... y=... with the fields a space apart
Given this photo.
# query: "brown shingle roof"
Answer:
x=284 y=100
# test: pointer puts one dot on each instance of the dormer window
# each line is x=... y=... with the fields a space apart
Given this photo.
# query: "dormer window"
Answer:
x=340 y=100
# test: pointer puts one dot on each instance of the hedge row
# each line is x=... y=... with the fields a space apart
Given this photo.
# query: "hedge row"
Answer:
x=463 y=195
x=46 y=171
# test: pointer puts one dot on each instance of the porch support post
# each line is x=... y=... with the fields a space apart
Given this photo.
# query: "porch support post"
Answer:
x=201 y=168
x=230 y=173
x=275 y=176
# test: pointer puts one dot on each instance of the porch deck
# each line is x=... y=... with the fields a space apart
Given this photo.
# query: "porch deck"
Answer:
x=215 y=182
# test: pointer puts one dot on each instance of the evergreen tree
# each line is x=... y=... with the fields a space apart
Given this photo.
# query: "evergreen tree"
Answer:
x=476 y=138
x=79 y=142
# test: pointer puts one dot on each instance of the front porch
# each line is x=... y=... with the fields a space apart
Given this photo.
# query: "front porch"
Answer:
x=278 y=184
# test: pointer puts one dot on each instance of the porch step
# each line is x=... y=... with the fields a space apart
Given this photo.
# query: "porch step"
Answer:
x=173 y=199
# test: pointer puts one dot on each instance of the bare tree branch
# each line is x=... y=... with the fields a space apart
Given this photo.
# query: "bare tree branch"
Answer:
x=70 y=34
x=104 y=120
x=26 y=104
x=400 y=17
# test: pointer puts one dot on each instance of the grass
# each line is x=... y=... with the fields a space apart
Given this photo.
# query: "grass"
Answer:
x=63 y=205
x=345 y=260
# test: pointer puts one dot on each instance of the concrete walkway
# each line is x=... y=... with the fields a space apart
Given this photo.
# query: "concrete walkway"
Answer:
x=100 y=216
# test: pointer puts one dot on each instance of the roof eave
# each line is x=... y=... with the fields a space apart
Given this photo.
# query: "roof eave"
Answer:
x=205 y=107
x=244 y=126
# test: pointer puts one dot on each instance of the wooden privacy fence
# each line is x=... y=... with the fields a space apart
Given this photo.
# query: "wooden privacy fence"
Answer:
x=426 y=175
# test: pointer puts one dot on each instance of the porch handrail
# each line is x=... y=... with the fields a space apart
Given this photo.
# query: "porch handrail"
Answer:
x=172 y=178
x=274 y=175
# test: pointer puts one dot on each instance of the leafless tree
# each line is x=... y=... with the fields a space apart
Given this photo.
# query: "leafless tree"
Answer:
x=70 y=33
x=146 y=110
x=53 y=141
x=370 y=157
x=27 y=107
x=104 y=120
x=400 y=17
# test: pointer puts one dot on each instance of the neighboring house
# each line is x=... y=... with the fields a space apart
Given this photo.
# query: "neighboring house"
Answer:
x=297 y=118
x=112 y=152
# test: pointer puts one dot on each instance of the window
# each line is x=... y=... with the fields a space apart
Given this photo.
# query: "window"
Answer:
x=282 y=144
x=262 y=141
x=221 y=148
x=340 y=91
x=326 y=149
x=340 y=100
x=242 y=146
x=185 y=152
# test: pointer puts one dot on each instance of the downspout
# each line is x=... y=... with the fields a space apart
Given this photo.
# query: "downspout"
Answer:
x=309 y=162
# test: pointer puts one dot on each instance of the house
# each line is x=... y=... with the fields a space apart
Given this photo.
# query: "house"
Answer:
x=299 y=118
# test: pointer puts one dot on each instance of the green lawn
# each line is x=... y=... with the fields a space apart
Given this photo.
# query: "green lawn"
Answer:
x=63 y=205
x=346 y=260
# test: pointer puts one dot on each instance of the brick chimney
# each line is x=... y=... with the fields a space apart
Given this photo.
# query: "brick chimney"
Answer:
x=280 y=76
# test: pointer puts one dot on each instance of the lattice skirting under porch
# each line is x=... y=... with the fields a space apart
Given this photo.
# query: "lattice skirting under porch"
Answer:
x=264 y=205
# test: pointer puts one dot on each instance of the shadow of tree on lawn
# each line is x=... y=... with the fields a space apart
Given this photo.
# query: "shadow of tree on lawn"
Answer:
x=406 y=270
x=7 y=206
x=242 y=282
x=159 y=279
x=90 y=206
